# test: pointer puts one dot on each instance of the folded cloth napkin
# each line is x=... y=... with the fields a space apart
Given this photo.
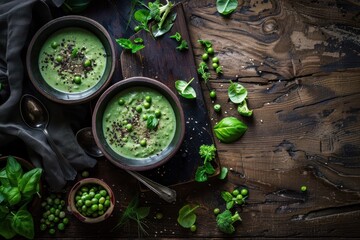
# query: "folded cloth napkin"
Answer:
x=16 y=18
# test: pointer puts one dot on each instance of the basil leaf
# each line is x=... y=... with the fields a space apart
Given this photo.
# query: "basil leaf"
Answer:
x=12 y=195
x=3 y=211
x=226 y=196
x=29 y=182
x=152 y=122
x=13 y=171
x=176 y=36
x=187 y=217
x=229 y=129
x=184 y=89
x=237 y=93
x=209 y=169
x=223 y=173
x=142 y=16
x=23 y=224
x=200 y=174
x=244 y=110
x=183 y=46
x=5 y=227
x=158 y=31
x=225 y=7
x=4 y=179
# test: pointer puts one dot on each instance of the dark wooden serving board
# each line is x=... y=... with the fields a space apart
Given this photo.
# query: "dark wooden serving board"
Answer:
x=161 y=61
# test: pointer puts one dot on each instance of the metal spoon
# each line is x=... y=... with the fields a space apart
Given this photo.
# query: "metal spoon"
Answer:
x=36 y=116
x=87 y=142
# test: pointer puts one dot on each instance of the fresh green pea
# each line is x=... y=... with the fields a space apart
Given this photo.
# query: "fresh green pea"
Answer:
x=138 y=109
x=94 y=201
x=62 y=214
x=210 y=51
x=57 y=212
x=61 y=226
x=121 y=101
x=84 y=207
x=146 y=105
x=107 y=203
x=159 y=215
x=216 y=211
x=59 y=59
x=51 y=217
x=51 y=231
x=193 y=228
x=205 y=56
x=103 y=192
x=215 y=60
x=98 y=195
x=56 y=219
x=102 y=200
x=212 y=94
x=94 y=207
x=137 y=28
x=87 y=63
x=143 y=142
x=148 y=99
x=101 y=212
x=244 y=192
x=77 y=79
x=54 y=45
x=239 y=197
x=65 y=221
x=303 y=188
x=79 y=203
x=85 y=174
x=217 y=107
x=100 y=206
x=236 y=192
x=145 y=117
x=215 y=65
x=88 y=203
x=43 y=227
x=157 y=113
x=129 y=127
x=92 y=193
x=84 y=189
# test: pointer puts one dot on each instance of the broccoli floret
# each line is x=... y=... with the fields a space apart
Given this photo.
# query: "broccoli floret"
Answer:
x=225 y=221
x=207 y=152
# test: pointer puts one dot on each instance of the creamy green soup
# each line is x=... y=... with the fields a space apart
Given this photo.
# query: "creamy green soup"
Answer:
x=139 y=122
x=72 y=60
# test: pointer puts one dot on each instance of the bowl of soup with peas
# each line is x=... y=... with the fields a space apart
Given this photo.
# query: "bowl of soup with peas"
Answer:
x=71 y=59
x=138 y=123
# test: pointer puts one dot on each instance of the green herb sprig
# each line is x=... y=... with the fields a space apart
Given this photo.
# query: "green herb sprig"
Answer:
x=207 y=152
x=129 y=45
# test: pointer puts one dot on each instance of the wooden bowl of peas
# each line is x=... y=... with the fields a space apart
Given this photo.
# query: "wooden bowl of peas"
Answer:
x=91 y=200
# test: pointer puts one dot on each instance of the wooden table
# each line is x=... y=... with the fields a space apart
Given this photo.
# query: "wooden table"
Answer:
x=300 y=61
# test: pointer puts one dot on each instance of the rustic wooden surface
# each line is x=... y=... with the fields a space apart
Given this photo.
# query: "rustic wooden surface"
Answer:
x=300 y=62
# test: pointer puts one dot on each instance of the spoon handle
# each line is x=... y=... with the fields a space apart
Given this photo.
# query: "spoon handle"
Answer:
x=68 y=171
x=165 y=193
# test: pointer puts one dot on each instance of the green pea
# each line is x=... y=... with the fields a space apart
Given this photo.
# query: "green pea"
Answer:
x=143 y=142
x=145 y=117
x=62 y=214
x=84 y=189
x=52 y=210
x=57 y=212
x=100 y=206
x=193 y=228
x=215 y=65
x=210 y=51
x=94 y=207
x=79 y=203
x=61 y=226
x=101 y=200
x=139 y=109
x=65 y=221
x=51 y=217
x=157 y=113
x=217 y=107
x=235 y=192
x=205 y=56
x=92 y=193
x=148 y=99
x=121 y=101
x=85 y=174
x=57 y=201
x=212 y=94
x=159 y=215
x=244 y=192
x=59 y=59
x=56 y=219
x=88 y=203
x=98 y=195
x=54 y=45
x=51 y=231
x=303 y=188
x=94 y=201
x=77 y=79
x=146 y=105
x=216 y=211
x=87 y=63
x=101 y=212
x=137 y=28
x=107 y=203
x=43 y=227
x=215 y=60
x=129 y=127
x=84 y=208
x=239 y=197
x=103 y=192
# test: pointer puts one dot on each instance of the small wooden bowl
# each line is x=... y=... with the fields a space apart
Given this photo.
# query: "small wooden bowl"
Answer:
x=72 y=202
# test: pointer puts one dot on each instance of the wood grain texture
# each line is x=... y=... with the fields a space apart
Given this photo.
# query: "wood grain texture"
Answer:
x=300 y=62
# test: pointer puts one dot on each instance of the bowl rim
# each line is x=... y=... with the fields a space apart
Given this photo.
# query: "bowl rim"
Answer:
x=48 y=25
x=76 y=187
x=141 y=80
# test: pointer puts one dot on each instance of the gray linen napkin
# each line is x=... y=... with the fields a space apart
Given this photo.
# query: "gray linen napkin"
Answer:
x=15 y=21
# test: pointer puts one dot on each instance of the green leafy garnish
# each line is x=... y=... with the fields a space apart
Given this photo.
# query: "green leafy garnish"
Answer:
x=135 y=213
x=152 y=122
x=237 y=93
x=74 y=52
x=229 y=129
x=203 y=71
x=182 y=46
x=205 y=43
x=225 y=221
x=184 y=89
x=219 y=70
x=223 y=172
x=225 y=7
x=17 y=189
x=244 y=110
x=187 y=216
x=207 y=152
x=128 y=44
x=158 y=31
x=176 y=36
x=143 y=17
x=138 y=40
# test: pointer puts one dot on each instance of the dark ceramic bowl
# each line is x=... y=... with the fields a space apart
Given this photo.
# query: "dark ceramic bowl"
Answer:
x=72 y=201
x=32 y=58
x=153 y=160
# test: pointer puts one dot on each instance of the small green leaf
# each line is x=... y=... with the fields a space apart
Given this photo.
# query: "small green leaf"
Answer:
x=152 y=122
x=176 y=36
x=158 y=31
x=142 y=15
x=12 y=195
x=4 y=180
x=23 y=224
x=200 y=174
x=209 y=169
x=129 y=45
x=225 y=7
x=244 y=110
x=182 y=46
x=223 y=173
x=13 y=171
x=5 y=227
x=226 y=196
x=205 y=43
x=237 y=93
x=184 y=89
x=187 y=216
x=203 y=71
